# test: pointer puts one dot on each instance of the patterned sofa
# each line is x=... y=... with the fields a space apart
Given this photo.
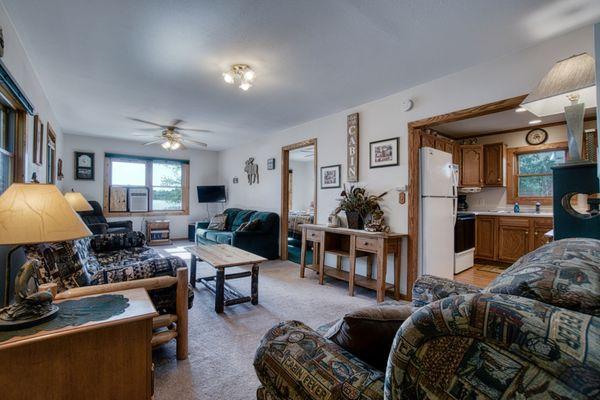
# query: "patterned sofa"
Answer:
x=106 y=259
x=533 y=333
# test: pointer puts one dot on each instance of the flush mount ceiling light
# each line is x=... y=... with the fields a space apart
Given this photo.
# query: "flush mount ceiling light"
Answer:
x=241 y=74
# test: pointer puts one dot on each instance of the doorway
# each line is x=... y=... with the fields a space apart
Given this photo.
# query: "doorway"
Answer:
x=298 y=196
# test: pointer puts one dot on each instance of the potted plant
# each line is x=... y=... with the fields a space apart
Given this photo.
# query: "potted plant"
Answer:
x=358 y=205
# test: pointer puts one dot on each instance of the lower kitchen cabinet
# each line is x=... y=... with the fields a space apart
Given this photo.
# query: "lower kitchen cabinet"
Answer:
x=506 y=239
x=485 y=237
x=513 y=238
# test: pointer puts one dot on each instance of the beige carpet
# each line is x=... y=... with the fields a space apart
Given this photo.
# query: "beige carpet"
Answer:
x=222 y=346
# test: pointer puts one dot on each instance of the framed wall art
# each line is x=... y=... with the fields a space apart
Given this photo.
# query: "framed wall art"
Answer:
x=38 y=140
x=330 y=176
x=383 y=153
x=352 y=147
x=84 y=166
x=271 y=164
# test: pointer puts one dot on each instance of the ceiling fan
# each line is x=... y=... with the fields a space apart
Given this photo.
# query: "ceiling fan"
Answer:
x=171 y=137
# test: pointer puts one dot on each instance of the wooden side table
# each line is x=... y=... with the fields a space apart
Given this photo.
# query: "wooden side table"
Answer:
x=158 y=232
x=99 y=359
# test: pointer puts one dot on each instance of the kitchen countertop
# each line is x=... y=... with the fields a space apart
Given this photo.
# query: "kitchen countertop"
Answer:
x=510 y=213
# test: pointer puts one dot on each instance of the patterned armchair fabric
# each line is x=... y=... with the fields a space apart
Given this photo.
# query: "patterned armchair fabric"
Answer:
x=105 y=259
x=533 y=333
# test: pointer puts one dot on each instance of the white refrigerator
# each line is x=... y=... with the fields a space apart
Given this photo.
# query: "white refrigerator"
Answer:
x=439 y=189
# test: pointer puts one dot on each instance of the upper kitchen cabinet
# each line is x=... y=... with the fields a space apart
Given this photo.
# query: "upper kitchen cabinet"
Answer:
x=471 y=165
x=493 y=164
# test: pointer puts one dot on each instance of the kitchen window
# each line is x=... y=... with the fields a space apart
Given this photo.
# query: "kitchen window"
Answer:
x=166 y=181
x=531 y=170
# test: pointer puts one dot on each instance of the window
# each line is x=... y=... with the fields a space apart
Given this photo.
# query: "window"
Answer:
x=50 y=155
x=166 y=181
x=532 y=173
x=166 y=186
x=7 y=136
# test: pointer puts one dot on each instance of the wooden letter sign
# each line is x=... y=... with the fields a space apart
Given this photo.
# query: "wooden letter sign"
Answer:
x=352 y=132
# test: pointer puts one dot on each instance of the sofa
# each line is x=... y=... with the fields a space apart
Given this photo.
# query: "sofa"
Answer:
x=533 y=333
x=113 y=262
x=264 y=241
x=98 y=224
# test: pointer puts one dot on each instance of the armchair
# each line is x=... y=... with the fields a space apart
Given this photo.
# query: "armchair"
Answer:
x=533 y=333
x=98 y=224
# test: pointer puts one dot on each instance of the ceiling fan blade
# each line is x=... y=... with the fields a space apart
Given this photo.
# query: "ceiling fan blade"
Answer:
x=145 y=134
x=194 y=130
x=149 y=129
x=175 y=122
x=153 y=142
x=147 y=122
x=201 y=144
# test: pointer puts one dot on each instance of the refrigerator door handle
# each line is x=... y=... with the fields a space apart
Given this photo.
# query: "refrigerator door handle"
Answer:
x=454 y=210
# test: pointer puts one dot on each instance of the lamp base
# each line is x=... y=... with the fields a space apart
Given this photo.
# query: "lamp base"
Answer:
x=29 y=322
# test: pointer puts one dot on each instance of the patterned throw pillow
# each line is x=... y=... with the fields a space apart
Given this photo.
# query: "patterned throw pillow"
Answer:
x=217 y=223
x=249 y=226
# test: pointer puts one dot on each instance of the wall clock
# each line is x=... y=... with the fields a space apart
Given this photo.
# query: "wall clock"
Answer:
x=84 y=166
x=536 y=136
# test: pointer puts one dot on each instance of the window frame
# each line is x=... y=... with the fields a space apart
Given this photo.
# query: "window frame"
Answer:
x=185 y=185
x=513 y=171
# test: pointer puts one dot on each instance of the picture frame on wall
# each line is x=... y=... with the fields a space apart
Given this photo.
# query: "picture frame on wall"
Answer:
x=38 y=140
x=384 y=153
x=271 y=164
x=84 y=166
x=331 y=176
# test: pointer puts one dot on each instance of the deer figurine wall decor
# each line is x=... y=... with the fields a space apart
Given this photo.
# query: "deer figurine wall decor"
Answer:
x=252 y=170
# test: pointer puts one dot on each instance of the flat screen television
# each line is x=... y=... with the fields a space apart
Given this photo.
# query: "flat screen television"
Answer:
x=211 y=194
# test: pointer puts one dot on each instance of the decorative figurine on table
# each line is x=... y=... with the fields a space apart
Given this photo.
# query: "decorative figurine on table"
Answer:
x=333 y=221
x=28 y=309
x=377 y=223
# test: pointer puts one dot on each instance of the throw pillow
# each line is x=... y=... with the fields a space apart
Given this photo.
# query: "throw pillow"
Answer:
x=217 y=223
x=251 y=226
x=368 y=333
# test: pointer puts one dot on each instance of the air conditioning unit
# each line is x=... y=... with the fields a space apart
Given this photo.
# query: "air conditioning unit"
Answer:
x=137 y=199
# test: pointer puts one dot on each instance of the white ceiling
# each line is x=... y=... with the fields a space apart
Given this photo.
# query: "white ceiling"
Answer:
x=102 y=61
x=499 y=122
x=304 y=154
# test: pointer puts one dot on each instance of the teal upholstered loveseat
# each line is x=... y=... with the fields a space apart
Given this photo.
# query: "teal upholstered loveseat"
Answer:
x=264 y=241
x=533 y=333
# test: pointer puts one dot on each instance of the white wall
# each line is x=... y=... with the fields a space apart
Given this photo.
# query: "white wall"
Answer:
x=509 y=76
x=203 y=171
x=18 y=64
x=303 y=184
x=491 y=198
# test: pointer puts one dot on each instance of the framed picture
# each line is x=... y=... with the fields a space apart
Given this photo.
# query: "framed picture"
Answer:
x=330 y=176
x=383 y=153
x=271 y=164
x=84 y=166
x=38 y=140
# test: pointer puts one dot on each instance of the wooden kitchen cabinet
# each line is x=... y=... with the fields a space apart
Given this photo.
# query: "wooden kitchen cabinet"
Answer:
x=471 y=165
x=485 y=237
x=506 y=239
x=493 y=164
x=540 y=227
x=513 y=238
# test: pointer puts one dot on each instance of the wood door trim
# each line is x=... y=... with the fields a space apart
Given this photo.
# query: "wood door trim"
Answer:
x=285 y=167
x=414 y=131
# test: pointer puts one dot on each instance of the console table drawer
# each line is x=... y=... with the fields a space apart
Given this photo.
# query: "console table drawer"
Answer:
x=315 y=236
x=368 y=244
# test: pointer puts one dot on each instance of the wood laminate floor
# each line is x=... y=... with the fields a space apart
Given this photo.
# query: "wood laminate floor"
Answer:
x=479 y=275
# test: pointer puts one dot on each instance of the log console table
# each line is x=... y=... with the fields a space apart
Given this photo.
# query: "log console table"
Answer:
x=354 y=243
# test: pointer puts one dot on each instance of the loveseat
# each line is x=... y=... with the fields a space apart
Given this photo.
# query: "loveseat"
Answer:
x=119 y=261
x=263 y=241
x=533 y=333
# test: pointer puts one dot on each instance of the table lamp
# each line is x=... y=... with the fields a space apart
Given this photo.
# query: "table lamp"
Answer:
x=569 y=87
x=77 y=201
x=35 y=213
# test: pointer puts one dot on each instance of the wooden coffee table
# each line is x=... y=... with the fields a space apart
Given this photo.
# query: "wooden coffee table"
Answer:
x=220 y=257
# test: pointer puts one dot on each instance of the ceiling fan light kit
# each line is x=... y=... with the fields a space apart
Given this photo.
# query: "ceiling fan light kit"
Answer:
x=241 y=74
x=172 y=137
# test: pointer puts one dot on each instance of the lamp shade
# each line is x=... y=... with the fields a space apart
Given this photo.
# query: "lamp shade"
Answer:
x=77 y=201
x=37 y=213
x=574 y=75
